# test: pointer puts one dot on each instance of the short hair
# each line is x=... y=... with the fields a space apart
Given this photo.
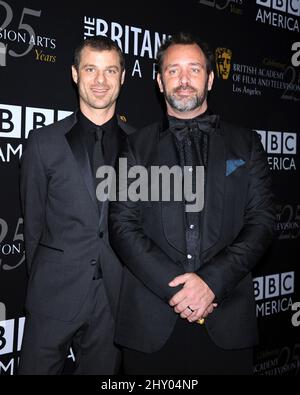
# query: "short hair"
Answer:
x=99 y=43
x=184 y=38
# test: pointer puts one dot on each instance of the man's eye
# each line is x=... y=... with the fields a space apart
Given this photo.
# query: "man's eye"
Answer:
x=111 y=71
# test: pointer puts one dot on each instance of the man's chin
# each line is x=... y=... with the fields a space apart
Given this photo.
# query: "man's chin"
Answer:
x=184 y=96
x=184 y=105
x=100 y=104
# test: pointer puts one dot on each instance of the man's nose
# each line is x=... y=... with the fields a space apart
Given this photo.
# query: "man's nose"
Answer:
x=100 y=77
x=184 y=77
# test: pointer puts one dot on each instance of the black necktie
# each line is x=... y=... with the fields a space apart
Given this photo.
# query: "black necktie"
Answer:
x=98 y=157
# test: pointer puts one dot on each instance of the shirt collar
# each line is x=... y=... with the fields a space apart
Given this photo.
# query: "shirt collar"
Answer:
x=90 y=126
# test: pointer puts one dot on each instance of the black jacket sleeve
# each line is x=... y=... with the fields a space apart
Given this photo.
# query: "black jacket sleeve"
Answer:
x=33 y=191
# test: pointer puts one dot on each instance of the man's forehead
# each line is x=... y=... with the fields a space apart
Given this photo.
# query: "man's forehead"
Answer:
x=95 y=51
x=184 y=53
x=90 y=54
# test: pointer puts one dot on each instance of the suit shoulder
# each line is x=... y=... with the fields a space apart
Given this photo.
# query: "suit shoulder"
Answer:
x=237 y=134
x=124 y=125
x=146 y=134
x=144 y=141
x=235 y=129
x=51 y=131
x=48 y=138
x=240 y=140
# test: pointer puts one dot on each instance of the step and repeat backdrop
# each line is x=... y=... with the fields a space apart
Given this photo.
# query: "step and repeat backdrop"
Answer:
x=257 y=64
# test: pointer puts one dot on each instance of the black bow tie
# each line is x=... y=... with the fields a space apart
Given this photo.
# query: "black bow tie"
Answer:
x=182 y=127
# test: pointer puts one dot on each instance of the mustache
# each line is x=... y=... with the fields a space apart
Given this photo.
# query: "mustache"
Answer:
x=183 y=88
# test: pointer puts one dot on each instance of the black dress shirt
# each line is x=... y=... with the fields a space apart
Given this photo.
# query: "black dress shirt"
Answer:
x=96 y=153
x=192 y=141
x=89 y=128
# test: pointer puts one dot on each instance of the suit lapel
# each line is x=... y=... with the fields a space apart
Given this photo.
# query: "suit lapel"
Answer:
x=172 y=212
x=214 y=191
x=81 y=155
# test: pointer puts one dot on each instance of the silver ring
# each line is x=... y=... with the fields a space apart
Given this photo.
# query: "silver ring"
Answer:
x=188 y=307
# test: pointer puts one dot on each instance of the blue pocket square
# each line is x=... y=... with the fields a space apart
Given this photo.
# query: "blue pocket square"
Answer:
x=233 y=164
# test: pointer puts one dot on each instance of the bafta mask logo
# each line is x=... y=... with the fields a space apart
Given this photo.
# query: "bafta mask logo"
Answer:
x=223 y=62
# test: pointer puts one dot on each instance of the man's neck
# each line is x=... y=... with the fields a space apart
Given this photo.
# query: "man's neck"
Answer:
x=98 y=116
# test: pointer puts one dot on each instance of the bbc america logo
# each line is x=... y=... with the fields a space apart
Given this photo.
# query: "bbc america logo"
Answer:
x=273 y=293
x=274 y=285
x=13 y=119
x=281 y=148
x=278 y=142
x=291 y=7
x=282 y=14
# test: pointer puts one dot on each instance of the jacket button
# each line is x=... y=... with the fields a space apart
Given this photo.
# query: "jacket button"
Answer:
x=100 y=235
x=93 y=262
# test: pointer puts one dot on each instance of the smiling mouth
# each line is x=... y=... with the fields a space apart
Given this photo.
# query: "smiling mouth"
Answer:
x=100 y=92
x=183 y=94
x=184 y=91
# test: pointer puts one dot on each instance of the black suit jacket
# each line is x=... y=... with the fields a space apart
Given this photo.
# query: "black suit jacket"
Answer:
x=63 y=233
x=237 y=227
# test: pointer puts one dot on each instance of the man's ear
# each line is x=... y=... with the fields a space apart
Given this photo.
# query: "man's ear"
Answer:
x=210 y=80
x=122 y=77
x=74 y=74
x=160 y=84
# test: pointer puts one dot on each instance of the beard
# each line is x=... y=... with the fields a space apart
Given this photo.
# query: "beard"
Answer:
x=186 y=104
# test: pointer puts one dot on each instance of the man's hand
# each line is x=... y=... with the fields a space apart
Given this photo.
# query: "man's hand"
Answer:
x=195 y=300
